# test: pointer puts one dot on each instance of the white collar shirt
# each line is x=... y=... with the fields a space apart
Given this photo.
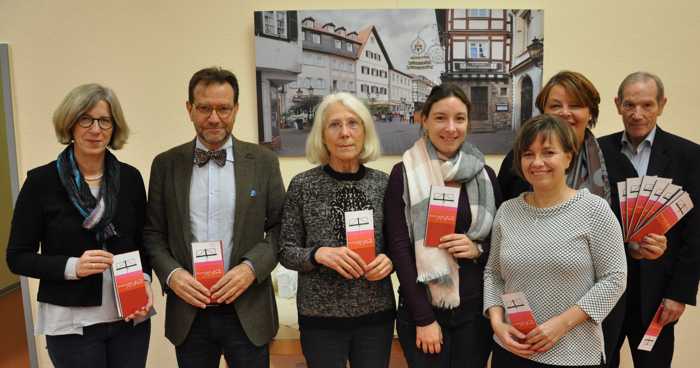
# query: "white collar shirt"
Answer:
x=639 y=157
x=213 y=201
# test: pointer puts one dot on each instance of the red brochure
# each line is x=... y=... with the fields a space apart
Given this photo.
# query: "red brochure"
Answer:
x=650 y=205
x=208 y=262
x=622 y=197
x=359 y=233
x=645 y=190
x=667 y=196
x=519 y=312
x=652 y=332
x=129 y=284
x=633 y=185
x=665 y=218
x=659 y=187
x=442 y=214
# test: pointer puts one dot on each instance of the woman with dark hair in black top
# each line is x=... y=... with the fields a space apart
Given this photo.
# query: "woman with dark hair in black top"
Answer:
x=439 y=318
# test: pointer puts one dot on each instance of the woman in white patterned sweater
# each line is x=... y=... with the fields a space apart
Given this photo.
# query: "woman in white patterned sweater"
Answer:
x=562 y=248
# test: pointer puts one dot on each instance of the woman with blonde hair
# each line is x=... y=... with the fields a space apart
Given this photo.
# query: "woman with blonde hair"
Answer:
x=345 y=303
x=79 y=211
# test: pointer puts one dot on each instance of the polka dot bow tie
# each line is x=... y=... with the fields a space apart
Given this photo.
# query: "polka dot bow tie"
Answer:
x=201 y=157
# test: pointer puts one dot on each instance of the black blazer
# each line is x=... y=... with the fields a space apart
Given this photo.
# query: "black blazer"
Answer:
x=675 y=274
x=511 y=184
x=45 y=218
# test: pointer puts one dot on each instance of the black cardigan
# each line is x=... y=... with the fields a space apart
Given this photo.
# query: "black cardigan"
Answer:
x=44 y=216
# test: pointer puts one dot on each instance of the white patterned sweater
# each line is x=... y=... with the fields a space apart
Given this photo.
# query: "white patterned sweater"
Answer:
x=561 y=256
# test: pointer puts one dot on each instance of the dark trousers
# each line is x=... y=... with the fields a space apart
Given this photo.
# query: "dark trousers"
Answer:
x=363 y=346
x=612 y=331
x=216 y=331
x=466 y=344
x=503 y=358
x=634 y=328
x=110 y=345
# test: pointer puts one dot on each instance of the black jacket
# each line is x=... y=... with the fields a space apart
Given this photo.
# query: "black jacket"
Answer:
x=675 y=274
x=45 y=218
x=511 y=184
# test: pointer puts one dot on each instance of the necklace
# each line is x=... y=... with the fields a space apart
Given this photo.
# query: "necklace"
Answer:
x=93 y=178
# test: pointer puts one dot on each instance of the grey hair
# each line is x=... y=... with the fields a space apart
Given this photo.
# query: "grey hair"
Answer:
x=642 y=76
x=316 y=151
x=79 y=101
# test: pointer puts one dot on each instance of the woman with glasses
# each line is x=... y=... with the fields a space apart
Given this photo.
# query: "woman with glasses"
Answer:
x=439 y=319
x=345 y=302
x=72 y=215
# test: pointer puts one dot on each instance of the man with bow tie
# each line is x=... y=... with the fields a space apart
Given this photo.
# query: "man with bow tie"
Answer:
x=216 y=188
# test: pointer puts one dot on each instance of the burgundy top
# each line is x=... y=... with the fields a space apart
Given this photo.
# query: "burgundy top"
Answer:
x=401 y=250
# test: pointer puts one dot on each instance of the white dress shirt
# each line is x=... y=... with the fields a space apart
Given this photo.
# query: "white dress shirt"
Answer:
x=639 y=157
x=213 y=201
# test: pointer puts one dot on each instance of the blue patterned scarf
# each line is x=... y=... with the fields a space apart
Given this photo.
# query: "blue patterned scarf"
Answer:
x=97 y=212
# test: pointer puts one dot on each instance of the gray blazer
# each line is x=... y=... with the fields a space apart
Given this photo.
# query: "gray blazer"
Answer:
x=167 y=234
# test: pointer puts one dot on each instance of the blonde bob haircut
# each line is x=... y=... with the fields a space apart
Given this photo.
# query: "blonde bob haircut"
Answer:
x=316 y=151
x=78 y=102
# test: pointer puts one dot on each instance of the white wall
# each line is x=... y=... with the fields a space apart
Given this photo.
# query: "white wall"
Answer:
x=147 y=50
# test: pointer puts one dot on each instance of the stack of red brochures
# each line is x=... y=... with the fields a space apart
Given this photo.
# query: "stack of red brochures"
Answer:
x=208 y=262
x=650 y=204
x=129 y=284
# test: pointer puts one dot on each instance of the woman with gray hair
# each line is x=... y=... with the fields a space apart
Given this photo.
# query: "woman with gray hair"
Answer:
x=79 y=211
x=345 y=302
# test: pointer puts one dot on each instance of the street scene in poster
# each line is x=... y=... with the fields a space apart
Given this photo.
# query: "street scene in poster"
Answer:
x=391 y=59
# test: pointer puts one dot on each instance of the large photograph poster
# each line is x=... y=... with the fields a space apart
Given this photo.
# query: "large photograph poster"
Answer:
x=391 y=59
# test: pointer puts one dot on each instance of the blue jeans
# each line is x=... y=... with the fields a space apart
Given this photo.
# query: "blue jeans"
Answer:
x=114 y=344
x=364 y=346
x=216 y=331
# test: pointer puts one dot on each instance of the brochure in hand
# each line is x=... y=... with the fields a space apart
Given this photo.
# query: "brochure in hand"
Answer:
x=519 y=312
x=649 y=205
x=652 y=332
x=129 y=284
x=359 y=233
x=208 y=262
x=442 y=214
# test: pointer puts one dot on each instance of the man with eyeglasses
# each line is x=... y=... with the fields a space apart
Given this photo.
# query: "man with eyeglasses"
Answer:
x=658 y=273
x=216 y=188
